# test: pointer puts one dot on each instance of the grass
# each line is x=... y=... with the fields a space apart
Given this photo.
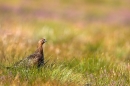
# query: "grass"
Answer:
x=76 y=56
x=79 y=53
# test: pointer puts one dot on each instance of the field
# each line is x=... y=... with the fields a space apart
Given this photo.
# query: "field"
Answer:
x=87 y=42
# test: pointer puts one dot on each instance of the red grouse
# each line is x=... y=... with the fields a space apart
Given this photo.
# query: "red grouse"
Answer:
x=34 y=60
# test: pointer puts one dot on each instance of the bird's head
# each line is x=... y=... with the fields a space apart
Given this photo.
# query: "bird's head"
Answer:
x=42 y=41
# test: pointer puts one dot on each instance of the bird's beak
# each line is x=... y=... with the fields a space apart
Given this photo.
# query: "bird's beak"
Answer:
x=45 y=40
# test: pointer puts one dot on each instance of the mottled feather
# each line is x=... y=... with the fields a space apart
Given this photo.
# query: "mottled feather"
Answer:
x=33 y=60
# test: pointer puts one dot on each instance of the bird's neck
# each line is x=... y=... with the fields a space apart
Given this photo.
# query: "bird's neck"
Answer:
x=40 y=49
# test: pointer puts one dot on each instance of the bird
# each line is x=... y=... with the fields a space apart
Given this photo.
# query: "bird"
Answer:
x=34 y=60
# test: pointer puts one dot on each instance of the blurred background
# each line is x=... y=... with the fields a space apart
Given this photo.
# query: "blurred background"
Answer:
x=88 y=40
x=66 y=23
x=94 y=25
x=79 y=12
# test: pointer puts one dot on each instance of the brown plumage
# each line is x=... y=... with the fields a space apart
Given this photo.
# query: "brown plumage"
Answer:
x=34 y=60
